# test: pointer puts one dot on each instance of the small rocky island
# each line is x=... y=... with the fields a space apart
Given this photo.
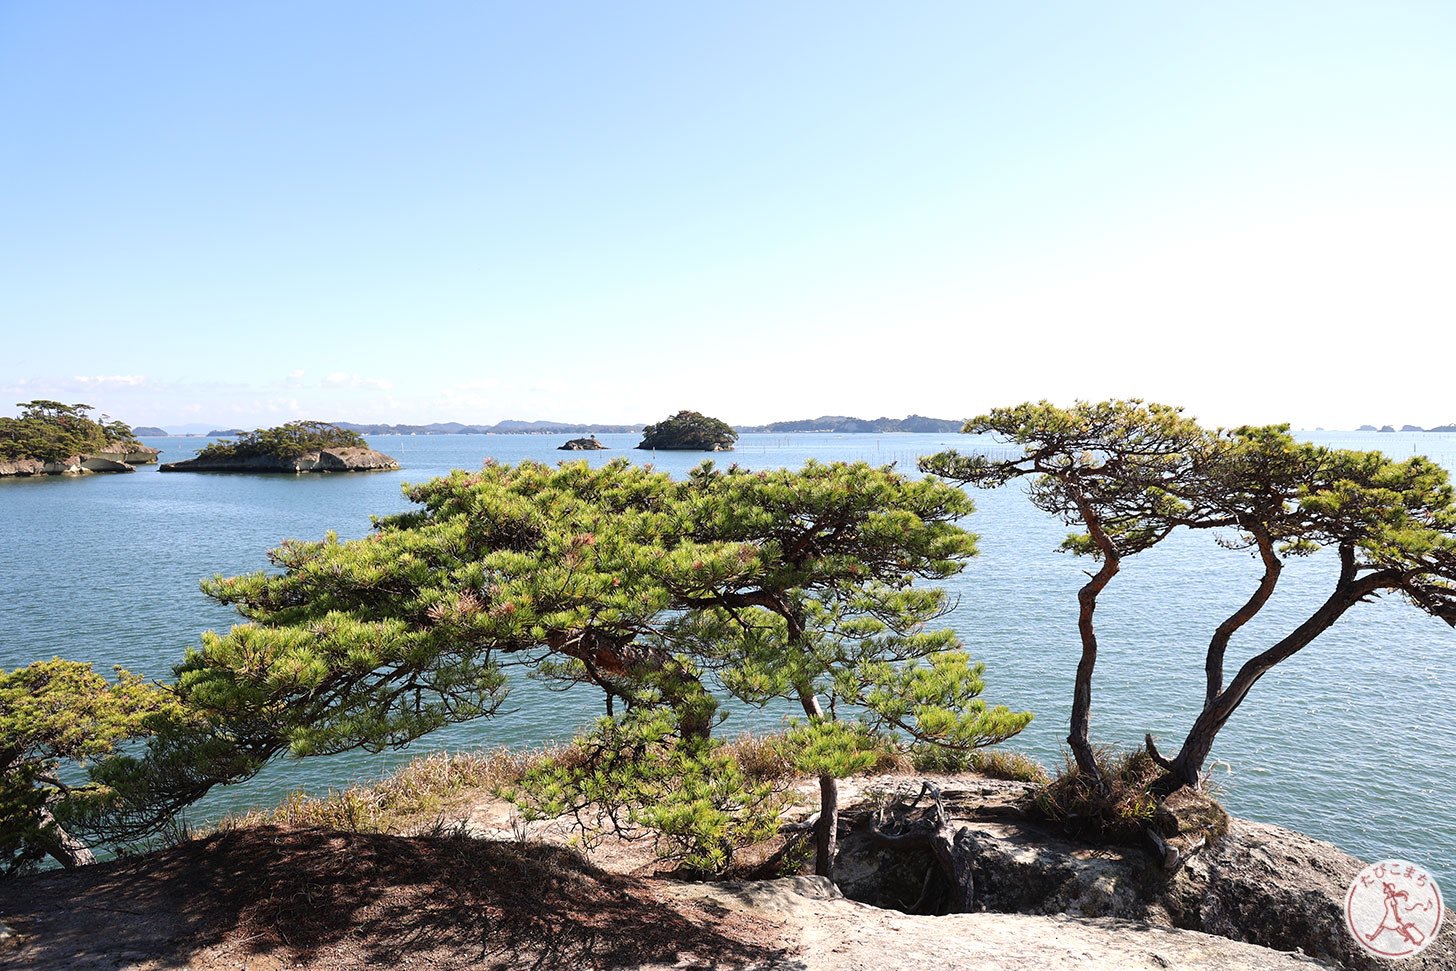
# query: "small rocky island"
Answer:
x=299 y=446
x=588 y=444
x=52 y=438
x=689 y=431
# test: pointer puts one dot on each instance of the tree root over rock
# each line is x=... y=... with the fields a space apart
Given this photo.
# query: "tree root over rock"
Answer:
x=953 y=848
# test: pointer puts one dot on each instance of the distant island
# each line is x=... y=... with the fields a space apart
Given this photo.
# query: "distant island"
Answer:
x=298 y=446
x=689 y=431
x=589 y=444
x=150 y=431
x=508 y=427
x=1439 y=429
x=53 y=438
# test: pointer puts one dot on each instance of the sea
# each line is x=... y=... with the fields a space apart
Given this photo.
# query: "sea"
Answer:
x=1352 y=741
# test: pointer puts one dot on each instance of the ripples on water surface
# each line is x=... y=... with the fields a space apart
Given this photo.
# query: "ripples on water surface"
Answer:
x=1353 y=740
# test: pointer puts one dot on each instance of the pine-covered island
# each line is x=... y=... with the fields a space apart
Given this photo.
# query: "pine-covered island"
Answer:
x=689 y=431
x=53 y=438
x=295 y=447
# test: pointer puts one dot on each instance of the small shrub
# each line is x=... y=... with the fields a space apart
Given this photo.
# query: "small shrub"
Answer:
x=762 y=757
x=939 y=759
x=771 y=758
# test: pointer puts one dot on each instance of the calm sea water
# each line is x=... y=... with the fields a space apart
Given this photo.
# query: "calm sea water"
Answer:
x=1353 y=741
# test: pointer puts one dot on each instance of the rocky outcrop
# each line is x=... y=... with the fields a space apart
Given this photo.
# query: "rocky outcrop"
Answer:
x=589 y=444
x=116 y=457
x=1258 y=884
x=829 y=932
x=132 y=453
x=321 y=460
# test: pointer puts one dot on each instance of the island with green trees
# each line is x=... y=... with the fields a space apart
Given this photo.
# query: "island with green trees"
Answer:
x=689 y=431
x=296 y=447
x=53 y=438
x=588 y=444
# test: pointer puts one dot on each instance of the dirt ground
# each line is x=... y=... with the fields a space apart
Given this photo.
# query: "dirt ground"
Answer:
x=270 y=898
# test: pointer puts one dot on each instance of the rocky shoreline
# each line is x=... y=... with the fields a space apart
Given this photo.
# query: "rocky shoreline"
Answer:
x=117 y=457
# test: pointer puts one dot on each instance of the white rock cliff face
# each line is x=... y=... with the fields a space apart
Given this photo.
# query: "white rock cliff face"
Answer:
x=116 y=457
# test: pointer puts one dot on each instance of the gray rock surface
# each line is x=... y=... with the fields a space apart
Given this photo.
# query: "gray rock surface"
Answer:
x=833 y=933
x=1259 y=884
x=116 y=457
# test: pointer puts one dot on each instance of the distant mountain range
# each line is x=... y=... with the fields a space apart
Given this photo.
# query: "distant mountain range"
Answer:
x=508 y=427
x=511 y=426
x=842 y=423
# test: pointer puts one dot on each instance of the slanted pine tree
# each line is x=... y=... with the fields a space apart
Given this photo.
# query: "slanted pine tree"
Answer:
x=654 y=592
x=1130 y=473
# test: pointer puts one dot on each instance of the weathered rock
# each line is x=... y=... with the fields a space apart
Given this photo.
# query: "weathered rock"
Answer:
x=71 y=465
x=131 y=454
x=323 y=460
x=836 y=934
x=22 y=467
x=1284 y=890
x=116 y=457
x=1258 y=884
x=582 y=445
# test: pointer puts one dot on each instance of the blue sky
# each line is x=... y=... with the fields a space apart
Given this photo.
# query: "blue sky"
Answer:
x=243 y=213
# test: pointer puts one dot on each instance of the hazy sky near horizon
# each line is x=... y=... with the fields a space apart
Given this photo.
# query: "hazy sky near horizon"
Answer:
x=241 y=213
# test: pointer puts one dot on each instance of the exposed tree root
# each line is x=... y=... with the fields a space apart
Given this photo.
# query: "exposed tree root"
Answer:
x=952 y=848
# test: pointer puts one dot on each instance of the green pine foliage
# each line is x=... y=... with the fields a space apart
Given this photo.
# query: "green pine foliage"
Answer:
x=51 y=431
x=287 y=441
x=56 y=716
x=660 y=595
x=639 y=776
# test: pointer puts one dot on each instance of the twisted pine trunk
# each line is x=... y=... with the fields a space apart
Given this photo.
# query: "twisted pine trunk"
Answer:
x=826 y=830
x=1186 y=767
x=68 y=851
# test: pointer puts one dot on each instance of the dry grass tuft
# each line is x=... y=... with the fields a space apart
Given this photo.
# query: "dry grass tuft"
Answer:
x=1119 y=814
x=1012 y=766
x=413 y=795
